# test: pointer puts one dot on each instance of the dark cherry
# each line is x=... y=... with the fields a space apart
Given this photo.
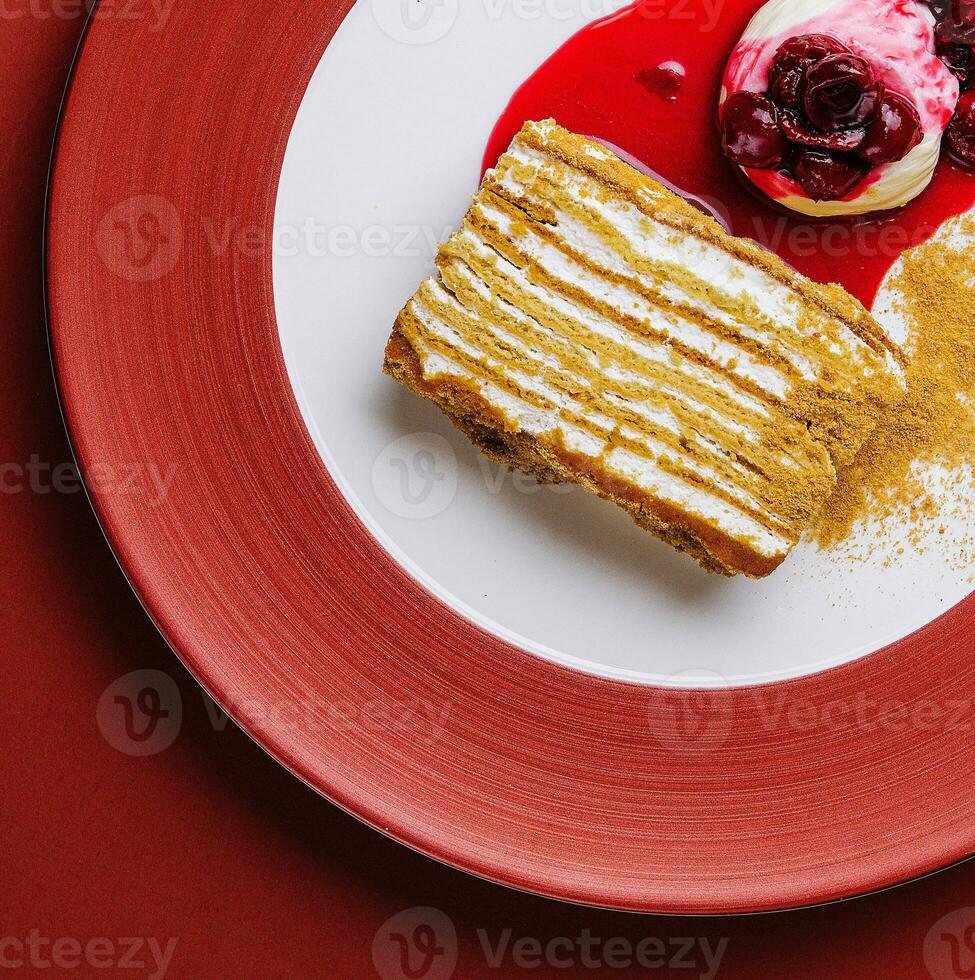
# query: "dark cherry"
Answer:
x=841 y=92
x=796 y=130
x=960 y=59
x=893 y=133
x=826 y=176
x=750 y=131
x=960 y=134
x=957 y=23
x=827 y=119
x=792 y=60
x=951 y=32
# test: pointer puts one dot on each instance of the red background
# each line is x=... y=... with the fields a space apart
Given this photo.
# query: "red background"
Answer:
x=211 y=842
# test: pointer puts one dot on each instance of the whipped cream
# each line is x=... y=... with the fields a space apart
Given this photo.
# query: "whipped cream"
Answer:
x=897 y=38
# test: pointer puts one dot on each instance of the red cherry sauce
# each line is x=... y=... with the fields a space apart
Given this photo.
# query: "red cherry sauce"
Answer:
x=596 y=84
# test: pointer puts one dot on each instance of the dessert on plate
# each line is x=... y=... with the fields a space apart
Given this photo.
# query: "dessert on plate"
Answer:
x=841 y=107
x=588 y=325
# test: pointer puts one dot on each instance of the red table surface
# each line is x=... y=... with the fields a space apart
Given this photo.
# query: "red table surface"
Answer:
x=210 y=848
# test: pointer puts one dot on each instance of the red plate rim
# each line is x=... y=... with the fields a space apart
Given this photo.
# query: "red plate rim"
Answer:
x=261 y=578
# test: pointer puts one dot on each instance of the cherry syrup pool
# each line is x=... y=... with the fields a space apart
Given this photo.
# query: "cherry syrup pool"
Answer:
x=647 y=80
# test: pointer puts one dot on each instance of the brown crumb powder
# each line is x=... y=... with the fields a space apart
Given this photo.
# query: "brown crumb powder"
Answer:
x=935 y=424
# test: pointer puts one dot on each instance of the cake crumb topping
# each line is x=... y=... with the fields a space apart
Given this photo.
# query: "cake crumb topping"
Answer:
x=918 y=466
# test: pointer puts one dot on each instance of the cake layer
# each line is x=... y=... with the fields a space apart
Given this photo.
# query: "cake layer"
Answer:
x=589 y=325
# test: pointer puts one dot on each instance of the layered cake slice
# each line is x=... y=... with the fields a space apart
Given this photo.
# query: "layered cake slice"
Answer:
x=589 y=325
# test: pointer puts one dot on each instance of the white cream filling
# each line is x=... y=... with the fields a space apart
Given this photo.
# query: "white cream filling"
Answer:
x=578 y=236
x=741 y=281
x=656 y=353
x=660 y=416
x=631 y=304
